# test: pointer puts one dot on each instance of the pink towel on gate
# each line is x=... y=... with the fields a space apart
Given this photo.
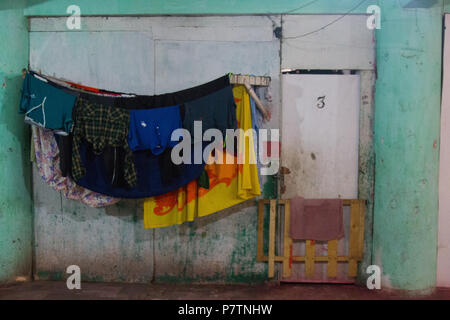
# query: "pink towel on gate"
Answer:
x=317 y=219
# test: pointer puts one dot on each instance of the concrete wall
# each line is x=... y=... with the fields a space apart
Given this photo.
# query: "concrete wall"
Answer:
x=15 y=187
x=111 y=244
x=239 y=44
x=406 y=124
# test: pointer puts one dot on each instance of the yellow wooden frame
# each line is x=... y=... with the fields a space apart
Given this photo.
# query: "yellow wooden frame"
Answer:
x=356 y=241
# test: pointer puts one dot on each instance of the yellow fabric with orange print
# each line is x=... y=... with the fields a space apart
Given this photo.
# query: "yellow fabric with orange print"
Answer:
x=248 y=181
x=191 y=201
x=229 y=184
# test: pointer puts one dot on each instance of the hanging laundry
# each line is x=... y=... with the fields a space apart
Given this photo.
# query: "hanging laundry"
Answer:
x=225 y=190
x=65 y=142
x=248 y=181
x=191 y=201
x=65 y=152
x=149 y=173
x=223 y=183
x=47 y=160
x=172 y=208
x=99 y=164
x=91 y=89
x=216 y=110
x=132 y=101
x=257 y=116
x=151 y=129
x=257 y=119
x=76 y=88
x=127 y=101
x=156 y=173
x=32 y=151
x=203 y=180
x=45 y=105
x=103 y=127
x=316 y=219
x=170 y=172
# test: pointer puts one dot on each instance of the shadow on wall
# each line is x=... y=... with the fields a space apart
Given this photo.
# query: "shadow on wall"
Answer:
x=132 y=210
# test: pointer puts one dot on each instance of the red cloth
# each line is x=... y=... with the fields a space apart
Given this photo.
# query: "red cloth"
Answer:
x=317 y=219
x=91 y=89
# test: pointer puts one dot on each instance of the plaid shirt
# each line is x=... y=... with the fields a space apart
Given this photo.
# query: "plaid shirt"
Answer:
x=101 y=126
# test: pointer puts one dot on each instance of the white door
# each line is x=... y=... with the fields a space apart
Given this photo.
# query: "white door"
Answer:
x=320 y=135
x=320 y=139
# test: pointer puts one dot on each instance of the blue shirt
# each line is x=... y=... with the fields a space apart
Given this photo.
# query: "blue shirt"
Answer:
x=151 y=129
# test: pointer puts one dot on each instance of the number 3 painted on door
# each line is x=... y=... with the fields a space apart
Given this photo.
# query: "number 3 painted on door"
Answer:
x=321 y=102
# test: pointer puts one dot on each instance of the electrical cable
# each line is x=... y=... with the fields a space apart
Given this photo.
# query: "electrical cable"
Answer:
x=328 y=24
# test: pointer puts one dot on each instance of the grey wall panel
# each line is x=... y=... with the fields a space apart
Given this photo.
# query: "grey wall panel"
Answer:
x=111 y=244
x=343 y=44
x=108 y=244
x=203 y=61
x=108 y=60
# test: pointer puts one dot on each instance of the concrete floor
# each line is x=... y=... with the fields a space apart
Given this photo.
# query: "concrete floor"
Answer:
x=51 y=290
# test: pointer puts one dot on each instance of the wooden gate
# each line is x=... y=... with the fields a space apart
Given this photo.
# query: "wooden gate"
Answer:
x=356 y=242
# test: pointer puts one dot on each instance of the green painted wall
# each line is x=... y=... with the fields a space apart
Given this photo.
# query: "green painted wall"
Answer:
x=161 y=7
x=407 y=122
x=15 y=190
x=446 y=6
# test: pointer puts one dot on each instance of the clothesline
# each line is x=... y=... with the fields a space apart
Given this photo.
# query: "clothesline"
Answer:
x=251 y=80
x=246 y=80
x=134 y=156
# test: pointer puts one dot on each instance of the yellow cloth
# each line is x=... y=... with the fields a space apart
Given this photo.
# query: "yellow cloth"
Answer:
x=191 y=201
x=229 y=184
x=248 y=182
x=171 y=208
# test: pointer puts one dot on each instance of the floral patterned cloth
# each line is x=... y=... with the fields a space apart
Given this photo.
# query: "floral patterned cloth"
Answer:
x=47 y=159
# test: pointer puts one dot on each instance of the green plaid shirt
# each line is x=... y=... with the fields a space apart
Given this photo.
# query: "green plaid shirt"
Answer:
x=101 y=126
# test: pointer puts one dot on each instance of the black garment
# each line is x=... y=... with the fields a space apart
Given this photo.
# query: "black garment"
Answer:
x=150 y=179
x=114 y=163
x=161 y=100
x=170 y=172
x=65 y=154
x=216 y=110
